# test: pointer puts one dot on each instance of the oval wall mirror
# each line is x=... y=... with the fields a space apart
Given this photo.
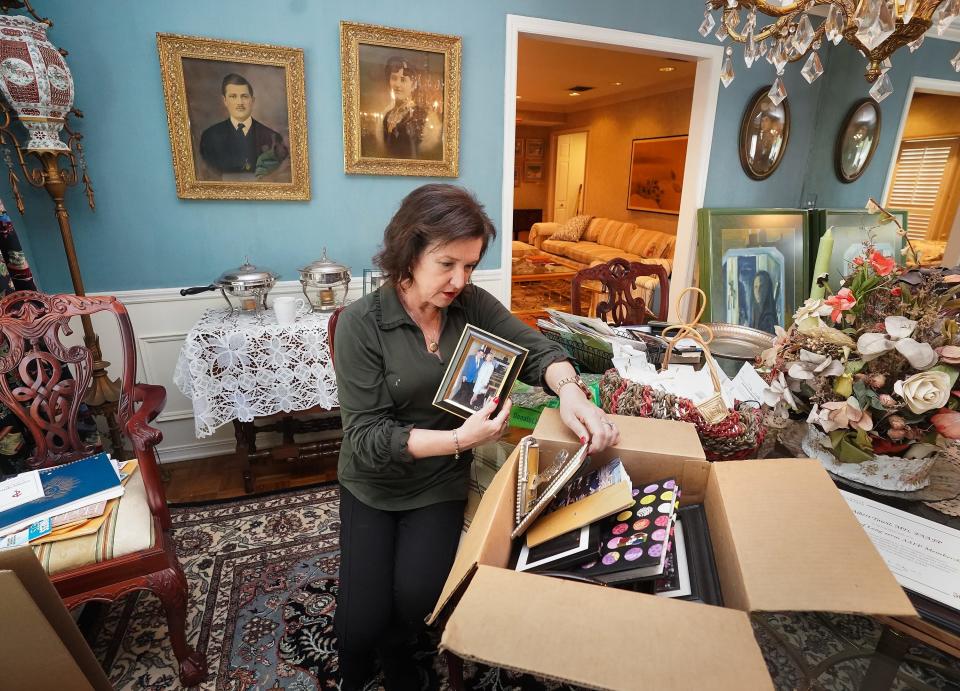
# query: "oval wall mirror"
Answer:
x=857 y=140
x=764 y=132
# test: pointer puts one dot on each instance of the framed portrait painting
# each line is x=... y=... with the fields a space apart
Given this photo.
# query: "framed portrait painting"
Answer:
x=656 y=174
x=753 y=265
x=237 y=118
x=401 y=101
x=484 y=366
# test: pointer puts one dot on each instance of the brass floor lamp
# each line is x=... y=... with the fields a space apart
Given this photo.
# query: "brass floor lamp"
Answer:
x=40 y=163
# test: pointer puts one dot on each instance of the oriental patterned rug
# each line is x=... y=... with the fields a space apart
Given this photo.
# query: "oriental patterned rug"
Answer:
x=262 y=575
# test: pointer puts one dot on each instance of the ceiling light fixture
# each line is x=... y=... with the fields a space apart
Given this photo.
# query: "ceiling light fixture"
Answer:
x=573 y=93
x=876 y=28
x=618 y=83
x=667 y=69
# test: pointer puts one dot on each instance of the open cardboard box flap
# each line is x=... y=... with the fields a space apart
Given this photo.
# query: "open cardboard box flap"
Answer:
x=785 y=540
x=580 y=633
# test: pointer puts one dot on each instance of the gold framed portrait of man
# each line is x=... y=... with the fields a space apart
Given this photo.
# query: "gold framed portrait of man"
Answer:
x=237 y=118
x=401 y=101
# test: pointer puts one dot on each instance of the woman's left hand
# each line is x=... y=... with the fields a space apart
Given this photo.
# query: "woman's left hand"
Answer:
x=586 y=420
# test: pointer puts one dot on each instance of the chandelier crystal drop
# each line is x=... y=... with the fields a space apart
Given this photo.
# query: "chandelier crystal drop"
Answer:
x=881 y=88
x=726 y=73
x=708 y=23
x=788 y=31
x=777 y=92
x=812 y=68
x=875 y=22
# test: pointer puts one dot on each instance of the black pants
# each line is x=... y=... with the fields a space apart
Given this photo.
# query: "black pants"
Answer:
x=393 y=565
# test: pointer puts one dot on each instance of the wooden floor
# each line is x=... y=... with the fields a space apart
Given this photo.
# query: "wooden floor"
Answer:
x=221 y=477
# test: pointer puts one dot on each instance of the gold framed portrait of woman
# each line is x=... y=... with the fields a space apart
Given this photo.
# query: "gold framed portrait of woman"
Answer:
x=401 y=101
x=237 y=118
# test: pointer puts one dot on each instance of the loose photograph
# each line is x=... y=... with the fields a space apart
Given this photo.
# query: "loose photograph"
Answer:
x=483 y=367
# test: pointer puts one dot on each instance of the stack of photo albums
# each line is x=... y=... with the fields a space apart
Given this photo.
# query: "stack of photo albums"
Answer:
x=597 y=527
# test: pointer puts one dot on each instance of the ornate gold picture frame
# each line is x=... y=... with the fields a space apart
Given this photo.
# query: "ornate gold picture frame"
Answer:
x=237 y=117
x=401 y=101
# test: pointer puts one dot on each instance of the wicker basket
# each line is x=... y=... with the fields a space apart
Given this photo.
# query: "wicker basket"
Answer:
x=736 y=436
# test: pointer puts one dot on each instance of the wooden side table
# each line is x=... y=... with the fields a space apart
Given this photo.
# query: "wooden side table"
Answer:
x=263 y=377
x=325 y=451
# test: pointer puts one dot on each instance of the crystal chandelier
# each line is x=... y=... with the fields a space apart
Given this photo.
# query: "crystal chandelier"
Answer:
x=876 y=28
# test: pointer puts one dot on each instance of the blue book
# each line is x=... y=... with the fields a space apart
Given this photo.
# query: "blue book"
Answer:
x=65 y=488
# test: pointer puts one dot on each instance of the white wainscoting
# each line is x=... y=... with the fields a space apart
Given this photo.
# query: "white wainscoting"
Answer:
x=161 y=319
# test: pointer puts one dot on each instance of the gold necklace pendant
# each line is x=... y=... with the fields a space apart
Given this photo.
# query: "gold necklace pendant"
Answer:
x=433 y=347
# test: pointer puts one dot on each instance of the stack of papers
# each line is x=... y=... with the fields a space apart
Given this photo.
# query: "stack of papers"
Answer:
x=686 y=382
x=64 y=489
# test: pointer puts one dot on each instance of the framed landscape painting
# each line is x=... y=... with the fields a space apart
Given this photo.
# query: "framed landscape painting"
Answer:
x=236 y=113
x=656 y=174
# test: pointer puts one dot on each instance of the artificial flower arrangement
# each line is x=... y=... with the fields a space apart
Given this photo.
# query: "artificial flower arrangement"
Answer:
x=873 y=365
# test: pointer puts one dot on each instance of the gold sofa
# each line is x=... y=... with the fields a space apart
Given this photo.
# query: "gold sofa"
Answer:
x=605 y=239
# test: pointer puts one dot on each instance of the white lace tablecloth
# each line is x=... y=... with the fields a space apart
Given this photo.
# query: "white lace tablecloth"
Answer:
x=245 y=366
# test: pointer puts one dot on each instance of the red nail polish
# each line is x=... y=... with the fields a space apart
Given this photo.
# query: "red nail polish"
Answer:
x=496 y=400
x=583 y=440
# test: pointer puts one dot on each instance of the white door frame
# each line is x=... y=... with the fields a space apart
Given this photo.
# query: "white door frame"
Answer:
x=702 y=115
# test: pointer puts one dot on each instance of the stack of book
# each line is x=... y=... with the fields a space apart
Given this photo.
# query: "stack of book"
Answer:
x=600 y=527
x=52 y=503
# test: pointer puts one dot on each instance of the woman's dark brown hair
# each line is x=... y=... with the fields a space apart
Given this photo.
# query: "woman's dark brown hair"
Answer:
x=434 y=213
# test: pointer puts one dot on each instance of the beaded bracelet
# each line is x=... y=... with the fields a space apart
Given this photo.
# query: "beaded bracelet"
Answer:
x=456 y=444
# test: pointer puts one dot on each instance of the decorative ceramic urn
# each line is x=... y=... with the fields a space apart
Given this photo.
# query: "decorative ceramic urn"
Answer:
x=35 y=80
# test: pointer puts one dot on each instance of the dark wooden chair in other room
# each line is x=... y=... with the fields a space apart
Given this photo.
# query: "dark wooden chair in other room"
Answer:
x=618 y=279
x=133 y=549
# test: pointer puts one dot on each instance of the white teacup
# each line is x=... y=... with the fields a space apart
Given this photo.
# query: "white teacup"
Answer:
x=288 y=308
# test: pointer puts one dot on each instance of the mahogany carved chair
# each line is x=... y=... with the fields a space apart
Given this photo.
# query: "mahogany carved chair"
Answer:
x=621 y=303
x=133 y=550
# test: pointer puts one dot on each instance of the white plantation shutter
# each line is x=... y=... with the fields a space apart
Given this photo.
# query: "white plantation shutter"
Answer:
x=919 y=180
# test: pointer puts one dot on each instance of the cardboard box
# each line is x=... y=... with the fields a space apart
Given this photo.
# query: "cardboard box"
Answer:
x=42 y=649
x=783 y=539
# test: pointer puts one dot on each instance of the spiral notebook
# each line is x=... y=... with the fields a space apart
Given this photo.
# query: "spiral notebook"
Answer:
x=537 y=486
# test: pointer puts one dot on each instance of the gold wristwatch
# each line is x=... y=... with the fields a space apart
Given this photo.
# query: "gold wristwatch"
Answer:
x=575 y=379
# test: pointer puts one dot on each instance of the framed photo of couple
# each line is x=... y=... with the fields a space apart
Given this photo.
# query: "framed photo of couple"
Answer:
x=484 y=366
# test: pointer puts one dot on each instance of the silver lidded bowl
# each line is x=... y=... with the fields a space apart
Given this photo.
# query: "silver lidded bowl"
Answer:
x=244 y=288
x=325 y=283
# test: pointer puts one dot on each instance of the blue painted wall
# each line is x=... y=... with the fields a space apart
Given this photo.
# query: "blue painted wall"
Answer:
x=143 y=236
x=845 y=87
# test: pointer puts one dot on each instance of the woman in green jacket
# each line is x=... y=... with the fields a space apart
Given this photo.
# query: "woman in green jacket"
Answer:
x=404 y=464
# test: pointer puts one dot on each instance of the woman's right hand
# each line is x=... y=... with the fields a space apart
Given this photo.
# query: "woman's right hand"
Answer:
x=481 y=428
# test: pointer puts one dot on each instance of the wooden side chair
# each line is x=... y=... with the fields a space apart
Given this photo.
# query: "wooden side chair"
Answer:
x=332 y=328
x=133 y=549
x=618 y=281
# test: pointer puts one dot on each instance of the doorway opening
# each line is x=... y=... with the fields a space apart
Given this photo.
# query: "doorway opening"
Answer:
x=924 y=178
x=606 y=124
